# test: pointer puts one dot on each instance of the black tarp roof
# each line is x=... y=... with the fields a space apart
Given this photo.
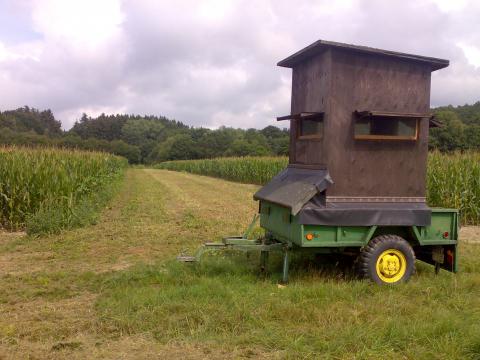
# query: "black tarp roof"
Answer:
x=366 y=214
x=294 y=187
x=297 y=189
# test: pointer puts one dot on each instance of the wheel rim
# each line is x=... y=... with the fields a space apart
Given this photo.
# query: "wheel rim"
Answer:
x=391 y=265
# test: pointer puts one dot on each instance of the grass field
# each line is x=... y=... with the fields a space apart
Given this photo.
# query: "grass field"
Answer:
x=45 y=190
x=453 y=180
x=113 y=290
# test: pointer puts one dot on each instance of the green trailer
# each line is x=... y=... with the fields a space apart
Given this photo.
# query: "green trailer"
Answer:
x=385 y=254
x=355 y=182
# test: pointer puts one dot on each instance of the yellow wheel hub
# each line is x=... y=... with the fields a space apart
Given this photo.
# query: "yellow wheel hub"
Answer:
x=391 y=266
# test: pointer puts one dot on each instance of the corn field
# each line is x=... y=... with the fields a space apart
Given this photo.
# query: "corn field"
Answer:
x=32 y=180
x=453 y=179
x=249 y=170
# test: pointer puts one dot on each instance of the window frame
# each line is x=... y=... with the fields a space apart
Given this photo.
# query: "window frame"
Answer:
x=394 y=116
x=319 y=117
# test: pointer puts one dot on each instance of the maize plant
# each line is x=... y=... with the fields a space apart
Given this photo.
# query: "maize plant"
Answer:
x=32 y=179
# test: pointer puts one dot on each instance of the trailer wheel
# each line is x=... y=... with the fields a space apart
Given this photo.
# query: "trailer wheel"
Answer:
x=387 y=260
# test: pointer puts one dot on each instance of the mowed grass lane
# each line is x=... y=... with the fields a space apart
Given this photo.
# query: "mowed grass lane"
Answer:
x=50 y=286
x=113 y=290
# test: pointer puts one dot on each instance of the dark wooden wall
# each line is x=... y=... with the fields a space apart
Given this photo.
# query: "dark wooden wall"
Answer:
x=310 y=88
x=340 y=82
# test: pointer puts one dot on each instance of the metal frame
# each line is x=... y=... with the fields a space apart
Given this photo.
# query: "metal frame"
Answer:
x=242 y=243
x=285 y=245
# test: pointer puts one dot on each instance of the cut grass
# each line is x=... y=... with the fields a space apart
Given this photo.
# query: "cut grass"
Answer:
x=114 y=291
x=321 y=313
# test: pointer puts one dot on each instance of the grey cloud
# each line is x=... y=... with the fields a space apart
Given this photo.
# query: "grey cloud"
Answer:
x=167 y=60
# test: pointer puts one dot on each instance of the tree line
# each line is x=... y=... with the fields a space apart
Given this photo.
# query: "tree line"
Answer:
x=141 y=139
x=151 y=139
x=460 y=130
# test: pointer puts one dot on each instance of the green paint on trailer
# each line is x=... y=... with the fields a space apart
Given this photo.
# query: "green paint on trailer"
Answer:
x=435 y=244
x=334 y=236
x=284 y=227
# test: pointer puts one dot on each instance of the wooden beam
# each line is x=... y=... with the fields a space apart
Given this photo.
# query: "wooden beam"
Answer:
x=303 y=115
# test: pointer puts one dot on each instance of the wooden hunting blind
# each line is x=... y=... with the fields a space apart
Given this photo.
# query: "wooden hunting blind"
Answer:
x=359 y=127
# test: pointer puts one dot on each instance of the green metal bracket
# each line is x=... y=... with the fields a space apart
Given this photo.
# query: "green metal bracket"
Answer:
x=200 y=251
x=232 y=242
x=370 y=233
x=417 y=234
x=239 y=241
x=250 y=227
x=242 y=243
x=286 y=260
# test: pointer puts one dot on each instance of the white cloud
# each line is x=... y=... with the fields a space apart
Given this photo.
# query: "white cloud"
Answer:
x=91 y=111
x=23 y=51
x=212 y=62
x=85 y=24
x=4 y=54
x=472 y=53
x=449 y=5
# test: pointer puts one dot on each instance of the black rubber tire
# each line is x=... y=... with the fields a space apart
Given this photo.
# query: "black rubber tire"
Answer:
x=367 y=260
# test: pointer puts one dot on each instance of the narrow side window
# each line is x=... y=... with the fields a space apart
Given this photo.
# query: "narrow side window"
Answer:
x=386 y=127
x=310 y=126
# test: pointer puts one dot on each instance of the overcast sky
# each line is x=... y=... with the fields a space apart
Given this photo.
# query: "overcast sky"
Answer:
x=211 y=63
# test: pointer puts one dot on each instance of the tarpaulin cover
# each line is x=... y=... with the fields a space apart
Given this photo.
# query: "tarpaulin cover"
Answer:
x=365 y=214
x=294 y=187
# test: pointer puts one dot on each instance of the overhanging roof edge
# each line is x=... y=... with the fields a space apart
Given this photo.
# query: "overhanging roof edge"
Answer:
x=321 y=45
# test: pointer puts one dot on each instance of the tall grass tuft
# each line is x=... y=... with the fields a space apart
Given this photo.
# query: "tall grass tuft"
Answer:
x=51 y=184
x=453 y=179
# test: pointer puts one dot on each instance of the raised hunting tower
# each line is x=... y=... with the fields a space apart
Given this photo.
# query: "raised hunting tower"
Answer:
x=359 y=127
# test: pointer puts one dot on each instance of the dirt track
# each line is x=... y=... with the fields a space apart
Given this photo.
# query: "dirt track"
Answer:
x=470 y=234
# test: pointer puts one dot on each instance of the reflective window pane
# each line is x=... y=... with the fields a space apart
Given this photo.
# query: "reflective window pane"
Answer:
x=388 y=127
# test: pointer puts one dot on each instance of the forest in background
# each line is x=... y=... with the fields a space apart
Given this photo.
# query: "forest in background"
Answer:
x=152 y=139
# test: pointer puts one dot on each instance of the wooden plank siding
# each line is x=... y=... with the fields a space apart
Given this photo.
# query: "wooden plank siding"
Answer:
x=339 y=82
x=310 y=91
